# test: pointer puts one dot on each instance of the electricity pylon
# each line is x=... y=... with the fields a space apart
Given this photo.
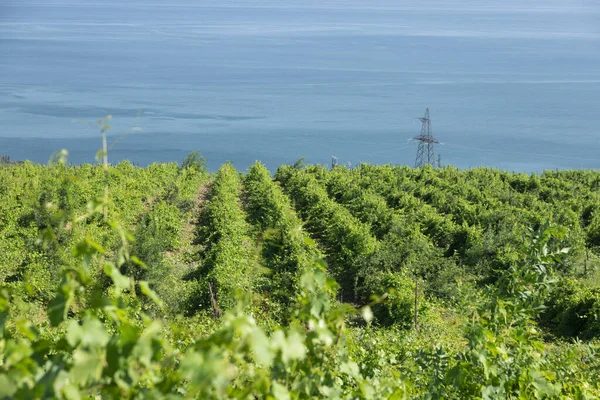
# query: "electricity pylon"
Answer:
x=425 y=154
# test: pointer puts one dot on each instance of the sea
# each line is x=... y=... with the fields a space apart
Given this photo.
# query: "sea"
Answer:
x=510 y=84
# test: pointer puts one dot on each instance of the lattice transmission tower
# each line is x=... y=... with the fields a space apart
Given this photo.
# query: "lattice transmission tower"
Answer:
x=425 y=153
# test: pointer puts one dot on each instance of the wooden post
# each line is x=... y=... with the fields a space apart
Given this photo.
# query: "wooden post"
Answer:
x=416 y=304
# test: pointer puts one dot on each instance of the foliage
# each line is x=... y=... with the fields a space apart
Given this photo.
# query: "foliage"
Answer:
x=346 y=241
x=398 y=306
x=286 y=248
x=194 y=160
x=573 y=310
x=229 y=257
x=99 y=263
x=504 y=357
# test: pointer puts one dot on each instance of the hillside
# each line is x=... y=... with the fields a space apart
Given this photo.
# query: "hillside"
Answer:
x=371 y=282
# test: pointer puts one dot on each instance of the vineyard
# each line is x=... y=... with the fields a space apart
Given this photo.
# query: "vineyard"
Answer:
x=373 y=282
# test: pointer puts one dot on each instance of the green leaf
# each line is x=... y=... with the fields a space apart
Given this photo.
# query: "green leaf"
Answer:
x=71 y=392
x=351 y=369
x=543 y=385
x=27 y=329
x=93 y=333
x=57 y=309
x=367 y=314
x=94 y=245
x=280 y=392
x=491 y=393
x=146 y=347
x=261 y=347
x=15 y=352
x=87 y=366
x=295 y=349
x=139 y=262
x=74 y=333
x=120 y=281
x=7 y=387
x=152 y=295
x=90 y=334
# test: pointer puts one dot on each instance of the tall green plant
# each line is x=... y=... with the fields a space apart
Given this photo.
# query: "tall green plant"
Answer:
x=504 y=356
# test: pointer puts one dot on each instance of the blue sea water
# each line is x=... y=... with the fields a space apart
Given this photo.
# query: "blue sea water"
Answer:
x=510 y=84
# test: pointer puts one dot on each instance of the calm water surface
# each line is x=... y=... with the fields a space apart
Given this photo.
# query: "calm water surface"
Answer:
x=510 y=84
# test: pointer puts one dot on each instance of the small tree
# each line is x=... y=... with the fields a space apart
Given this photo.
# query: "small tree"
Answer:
x=194 y=160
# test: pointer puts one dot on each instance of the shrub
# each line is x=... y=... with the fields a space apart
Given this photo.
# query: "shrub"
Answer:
x=573 y=310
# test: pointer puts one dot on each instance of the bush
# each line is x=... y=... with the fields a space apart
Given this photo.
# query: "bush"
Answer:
x=573 y=310
x=194 y=160
x=398 y=307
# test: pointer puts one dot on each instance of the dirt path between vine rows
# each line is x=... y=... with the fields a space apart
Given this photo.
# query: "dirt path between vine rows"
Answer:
x=184 y=258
